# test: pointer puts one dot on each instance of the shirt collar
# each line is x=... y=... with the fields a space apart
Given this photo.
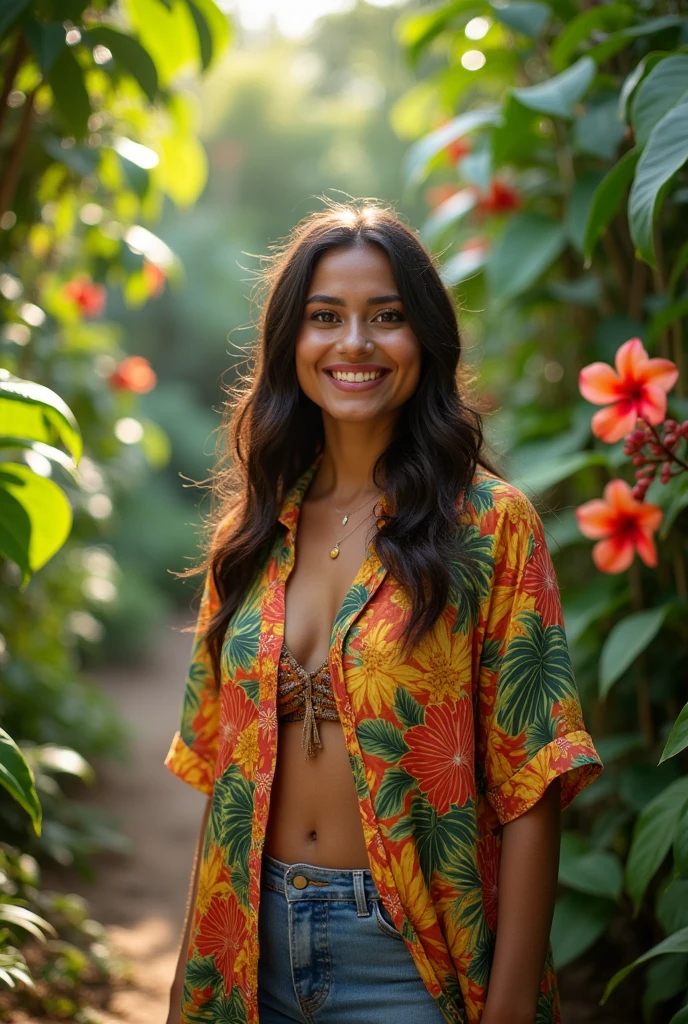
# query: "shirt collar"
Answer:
x=291 y=504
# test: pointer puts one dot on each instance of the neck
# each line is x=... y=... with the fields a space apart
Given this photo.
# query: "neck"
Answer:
x=345 y=473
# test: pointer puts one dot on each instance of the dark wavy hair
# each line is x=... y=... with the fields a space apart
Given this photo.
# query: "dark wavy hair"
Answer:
x=271 y=431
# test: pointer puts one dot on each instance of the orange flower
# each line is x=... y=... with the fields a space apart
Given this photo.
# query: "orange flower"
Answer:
x=155 y=278
x=458 y=148
x=638 y=387
x=499 y=198
x=89 y=297
x=133 y=374
x=624 y=524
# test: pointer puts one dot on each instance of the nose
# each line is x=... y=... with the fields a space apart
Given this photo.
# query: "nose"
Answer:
x=354 y=341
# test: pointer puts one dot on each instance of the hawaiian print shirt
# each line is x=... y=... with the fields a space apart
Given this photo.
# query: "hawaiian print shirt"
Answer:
x=445 y=747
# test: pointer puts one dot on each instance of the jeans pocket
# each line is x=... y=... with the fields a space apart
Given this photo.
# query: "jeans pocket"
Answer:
x=384 y=920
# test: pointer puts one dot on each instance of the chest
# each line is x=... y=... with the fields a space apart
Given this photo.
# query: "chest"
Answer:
x=317 y=584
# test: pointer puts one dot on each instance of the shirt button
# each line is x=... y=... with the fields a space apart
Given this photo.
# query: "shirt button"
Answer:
x=299 y=881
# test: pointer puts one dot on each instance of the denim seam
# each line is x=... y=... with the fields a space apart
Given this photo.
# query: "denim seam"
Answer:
x=310 y=1005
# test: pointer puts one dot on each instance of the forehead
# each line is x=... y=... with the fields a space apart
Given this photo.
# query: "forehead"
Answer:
x=352 y=268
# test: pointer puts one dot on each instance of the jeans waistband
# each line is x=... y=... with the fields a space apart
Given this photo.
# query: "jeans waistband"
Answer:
x=311 y=882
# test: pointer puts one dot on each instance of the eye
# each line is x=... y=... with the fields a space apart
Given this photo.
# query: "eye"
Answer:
x=323 y=312
x=396 y=313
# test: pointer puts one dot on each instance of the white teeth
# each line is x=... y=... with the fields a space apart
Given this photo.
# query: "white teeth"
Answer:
x=359 y=377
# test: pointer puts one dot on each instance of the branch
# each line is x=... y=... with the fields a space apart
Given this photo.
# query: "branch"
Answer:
x=17 y=56
x=10 y=179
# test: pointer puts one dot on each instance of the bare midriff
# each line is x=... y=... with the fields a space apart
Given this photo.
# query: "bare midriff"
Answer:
x=314 y=813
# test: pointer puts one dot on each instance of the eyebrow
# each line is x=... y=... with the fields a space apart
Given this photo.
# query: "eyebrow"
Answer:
x=375 y=300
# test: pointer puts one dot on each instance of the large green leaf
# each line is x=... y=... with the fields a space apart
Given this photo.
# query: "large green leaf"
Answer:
x=678 y=737
x=633 y=80
x=541 y=477
x=681 y=1017
x=579 y=921
x=607 y=200
x=664 y=87
x=448 y=213
x=46 y=40
x=526 y=248
x=130 y=55
x=169 y=34
x=9 y=12
x=617 y=41
x=599 y=131
x=67 y=82
x=681 y=842
x=464 y=265
x=17 y=779
x=420 y=154
x=665 y=153
x=382 y=739
x=601 y=17
x=48 y=510
x=416 y=31
x=32 y=412
x=597 y=872
x=524 y=16
x=626 y=641
x=212 y=29
x=558 y=95
x=579 y=204
x=653 y=834
x=676 y=943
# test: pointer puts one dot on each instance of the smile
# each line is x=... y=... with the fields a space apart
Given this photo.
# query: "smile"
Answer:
x=356 y=380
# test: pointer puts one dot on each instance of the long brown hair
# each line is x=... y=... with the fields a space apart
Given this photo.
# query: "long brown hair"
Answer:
x=271 y=432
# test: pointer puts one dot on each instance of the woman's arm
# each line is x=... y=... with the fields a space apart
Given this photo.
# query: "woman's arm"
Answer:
x=528 y=872
x=178 y=983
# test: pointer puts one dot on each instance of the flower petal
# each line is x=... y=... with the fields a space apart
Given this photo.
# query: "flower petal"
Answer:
x=645 y=547
x=614 y=422
x=649 y=516
x=630 y=359
x=614 y=554
x=620 y=497
x=599 y=383
x=660 y=372
x=652 y=404
x=596 y=519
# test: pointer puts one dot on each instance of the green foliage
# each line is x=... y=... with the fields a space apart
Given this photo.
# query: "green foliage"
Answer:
x=563 y=179
x=96 y=133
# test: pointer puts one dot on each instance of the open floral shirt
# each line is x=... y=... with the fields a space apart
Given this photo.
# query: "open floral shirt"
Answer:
x=445 y=747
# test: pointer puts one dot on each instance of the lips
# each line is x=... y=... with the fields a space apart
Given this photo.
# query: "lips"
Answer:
x=356 y=377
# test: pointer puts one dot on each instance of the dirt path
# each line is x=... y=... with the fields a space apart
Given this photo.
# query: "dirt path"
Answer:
x=142 y=898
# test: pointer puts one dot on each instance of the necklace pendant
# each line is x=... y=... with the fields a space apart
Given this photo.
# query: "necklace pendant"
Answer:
x=345 y=520
x=334 y=551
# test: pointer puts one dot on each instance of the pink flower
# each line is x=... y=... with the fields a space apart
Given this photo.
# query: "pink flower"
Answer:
x=624 y=525
x=638 y=387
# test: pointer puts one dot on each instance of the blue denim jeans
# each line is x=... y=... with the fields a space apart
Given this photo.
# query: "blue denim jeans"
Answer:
x=330 y=953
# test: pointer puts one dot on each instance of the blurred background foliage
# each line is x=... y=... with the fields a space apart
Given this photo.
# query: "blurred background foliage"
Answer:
x=150 y=151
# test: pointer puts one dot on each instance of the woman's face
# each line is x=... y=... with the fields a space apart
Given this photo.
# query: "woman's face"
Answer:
x=354 y=326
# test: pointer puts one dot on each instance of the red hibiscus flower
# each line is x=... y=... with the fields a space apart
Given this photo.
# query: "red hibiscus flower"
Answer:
x=539 y=579
x=221 y=934
x=624 y=525
x=638 y=387
x=133 y=374
x=237 y=713
x=441 y=754
x=89 y=297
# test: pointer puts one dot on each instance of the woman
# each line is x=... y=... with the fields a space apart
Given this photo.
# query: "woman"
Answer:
x=380 y=705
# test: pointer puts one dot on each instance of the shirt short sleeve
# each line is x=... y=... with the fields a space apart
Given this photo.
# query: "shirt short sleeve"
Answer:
x=530 y=726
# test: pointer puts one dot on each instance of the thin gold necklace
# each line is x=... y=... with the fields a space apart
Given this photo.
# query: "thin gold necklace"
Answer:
x=347 y=515
x=335 y=550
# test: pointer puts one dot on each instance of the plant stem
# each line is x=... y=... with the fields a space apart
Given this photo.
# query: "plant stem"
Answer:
x=637 y=292
x=669 y=454
x=13 y=65
x=680 y=569
x=643 y=692
x=10 y=179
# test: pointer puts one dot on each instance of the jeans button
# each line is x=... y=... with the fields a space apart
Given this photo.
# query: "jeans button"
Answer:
x=299 y=881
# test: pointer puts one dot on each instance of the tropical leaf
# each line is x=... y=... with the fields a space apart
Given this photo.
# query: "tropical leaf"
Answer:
x=579 y=921
x=481 y=960
x=353 y=602
x=627 y=640
x=391 y=796
x=252 y=689
x=653 y=834
x=382 y=739
x=240 y=645
x=407 y=709
x=17 y=778
x=202 y=973
x=676 y=943
x=32 y=412
x=438 y=839
x=471 y=572
x=558 y=95
x=467 y=909
x=678 y=737
x=232 y=813
x=536 y=672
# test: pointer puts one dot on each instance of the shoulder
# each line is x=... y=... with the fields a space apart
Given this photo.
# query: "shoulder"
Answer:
x=492 y=504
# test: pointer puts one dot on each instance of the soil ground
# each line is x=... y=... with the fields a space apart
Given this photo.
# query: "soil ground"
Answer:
x=141 y=898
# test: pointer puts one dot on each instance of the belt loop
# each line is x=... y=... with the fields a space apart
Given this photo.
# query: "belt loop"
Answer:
x=359 y=892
